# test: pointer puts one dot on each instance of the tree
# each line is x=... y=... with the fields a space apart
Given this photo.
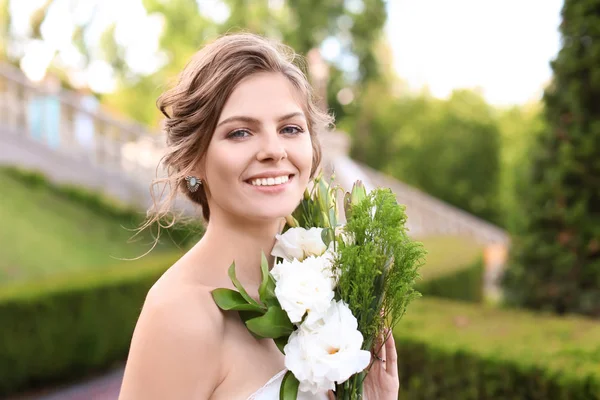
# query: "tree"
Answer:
x=4 y=29
x=448 y=148
x=555 y=260
x=188 y=24
x=518 y=126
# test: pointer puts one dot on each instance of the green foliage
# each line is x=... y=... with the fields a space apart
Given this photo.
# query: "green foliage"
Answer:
x=374 y=259
x=518 y=125
x=264 y=319
x=464 y=284
x=273 y=324
x=379 y=266
x=70 y=228
x=73 y=325
x=4 y=29
x=289 y=387
x=231 y=300
x=318 y=207
x=302 y=24
x=458 y=351
x=555 y=259
x=449 y=148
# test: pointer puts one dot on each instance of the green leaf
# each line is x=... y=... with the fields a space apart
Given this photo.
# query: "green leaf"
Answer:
x=239 y=286
x=300 y=213
x=280 y=342
x=324 y=196
x=327 y=236
x=230 y=300
x=325 y=220
x=333 y=217
x=248 y=315
x=266 y=291
x=289 y=387
x=275 y=323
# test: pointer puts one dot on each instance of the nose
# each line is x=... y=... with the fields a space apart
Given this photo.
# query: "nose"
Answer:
x=272 y=148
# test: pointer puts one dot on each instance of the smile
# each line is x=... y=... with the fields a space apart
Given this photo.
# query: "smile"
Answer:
x=274 y=181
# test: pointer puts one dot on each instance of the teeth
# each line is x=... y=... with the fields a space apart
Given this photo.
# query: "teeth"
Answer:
x=270 y=181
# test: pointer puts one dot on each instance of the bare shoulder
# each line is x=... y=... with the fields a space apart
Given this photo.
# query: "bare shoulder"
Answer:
x=177 y=344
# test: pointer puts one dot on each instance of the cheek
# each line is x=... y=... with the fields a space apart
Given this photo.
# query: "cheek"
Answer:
x=304 y=155
x=222 y=165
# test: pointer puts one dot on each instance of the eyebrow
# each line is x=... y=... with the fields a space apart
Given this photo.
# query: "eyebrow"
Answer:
x=257 y=122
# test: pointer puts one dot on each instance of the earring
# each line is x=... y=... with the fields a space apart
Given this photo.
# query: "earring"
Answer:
x=193 y=183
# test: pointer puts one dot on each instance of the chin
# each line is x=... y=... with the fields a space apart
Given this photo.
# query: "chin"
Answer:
x=271 y=214
x=270 y=210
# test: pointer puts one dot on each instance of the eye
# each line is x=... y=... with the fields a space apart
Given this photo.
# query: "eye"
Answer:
x=238 y=134
x=292 y=130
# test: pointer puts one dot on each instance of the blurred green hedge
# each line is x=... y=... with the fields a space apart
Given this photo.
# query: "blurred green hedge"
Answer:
x=464 y=284
x=457 y=351
x=72 y=325
x=182 y=233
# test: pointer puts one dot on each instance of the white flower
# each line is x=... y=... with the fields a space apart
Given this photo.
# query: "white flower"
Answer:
x=327 y=352
x=299 y=243
x=305 y=286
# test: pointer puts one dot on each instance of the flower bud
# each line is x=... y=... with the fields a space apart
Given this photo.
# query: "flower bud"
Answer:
x=359 y=193
x=291 y=221
x=306 y=194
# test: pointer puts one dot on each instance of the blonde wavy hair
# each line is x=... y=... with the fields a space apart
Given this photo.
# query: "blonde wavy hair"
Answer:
x=193 y=106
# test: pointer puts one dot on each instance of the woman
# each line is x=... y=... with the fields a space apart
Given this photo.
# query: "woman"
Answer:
x=242 y=126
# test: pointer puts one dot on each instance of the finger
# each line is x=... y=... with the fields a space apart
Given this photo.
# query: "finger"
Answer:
x=392 y=356
x=381 y=351
x=330 y=395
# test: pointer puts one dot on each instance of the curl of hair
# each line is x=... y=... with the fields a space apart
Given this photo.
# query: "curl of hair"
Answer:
x=192 y=108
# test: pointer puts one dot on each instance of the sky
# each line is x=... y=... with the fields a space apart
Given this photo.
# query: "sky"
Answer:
x=501 y=47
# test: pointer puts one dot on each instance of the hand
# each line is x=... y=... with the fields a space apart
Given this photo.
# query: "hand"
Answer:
x=382 y=381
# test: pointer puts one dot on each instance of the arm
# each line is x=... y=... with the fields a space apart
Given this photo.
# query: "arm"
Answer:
x=175 y=350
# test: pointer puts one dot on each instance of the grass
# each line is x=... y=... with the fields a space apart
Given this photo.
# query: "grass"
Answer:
x=447 y=254
x=45 y=233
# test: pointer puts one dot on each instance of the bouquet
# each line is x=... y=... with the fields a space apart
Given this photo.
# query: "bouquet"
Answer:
x=334 y=289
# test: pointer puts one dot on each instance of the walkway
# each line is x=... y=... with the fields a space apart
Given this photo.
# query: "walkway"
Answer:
x=102 y=388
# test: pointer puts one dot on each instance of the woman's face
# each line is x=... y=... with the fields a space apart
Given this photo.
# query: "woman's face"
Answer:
x=259 y=160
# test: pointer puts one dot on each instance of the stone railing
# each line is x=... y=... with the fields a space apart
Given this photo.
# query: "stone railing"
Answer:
x=65 y=135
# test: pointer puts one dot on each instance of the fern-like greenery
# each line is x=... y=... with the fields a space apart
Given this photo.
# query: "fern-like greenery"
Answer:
x=377 y=265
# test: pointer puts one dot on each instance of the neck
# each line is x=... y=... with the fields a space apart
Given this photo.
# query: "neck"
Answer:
x=226 y=241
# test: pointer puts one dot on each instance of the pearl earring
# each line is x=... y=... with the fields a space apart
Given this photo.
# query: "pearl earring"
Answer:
x=193 y=183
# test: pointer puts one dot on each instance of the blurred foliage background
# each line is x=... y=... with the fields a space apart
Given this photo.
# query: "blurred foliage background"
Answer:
x=531 y=169
x=369 y=100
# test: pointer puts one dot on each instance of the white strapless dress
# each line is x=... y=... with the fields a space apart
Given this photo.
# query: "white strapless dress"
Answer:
x=270 y=391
